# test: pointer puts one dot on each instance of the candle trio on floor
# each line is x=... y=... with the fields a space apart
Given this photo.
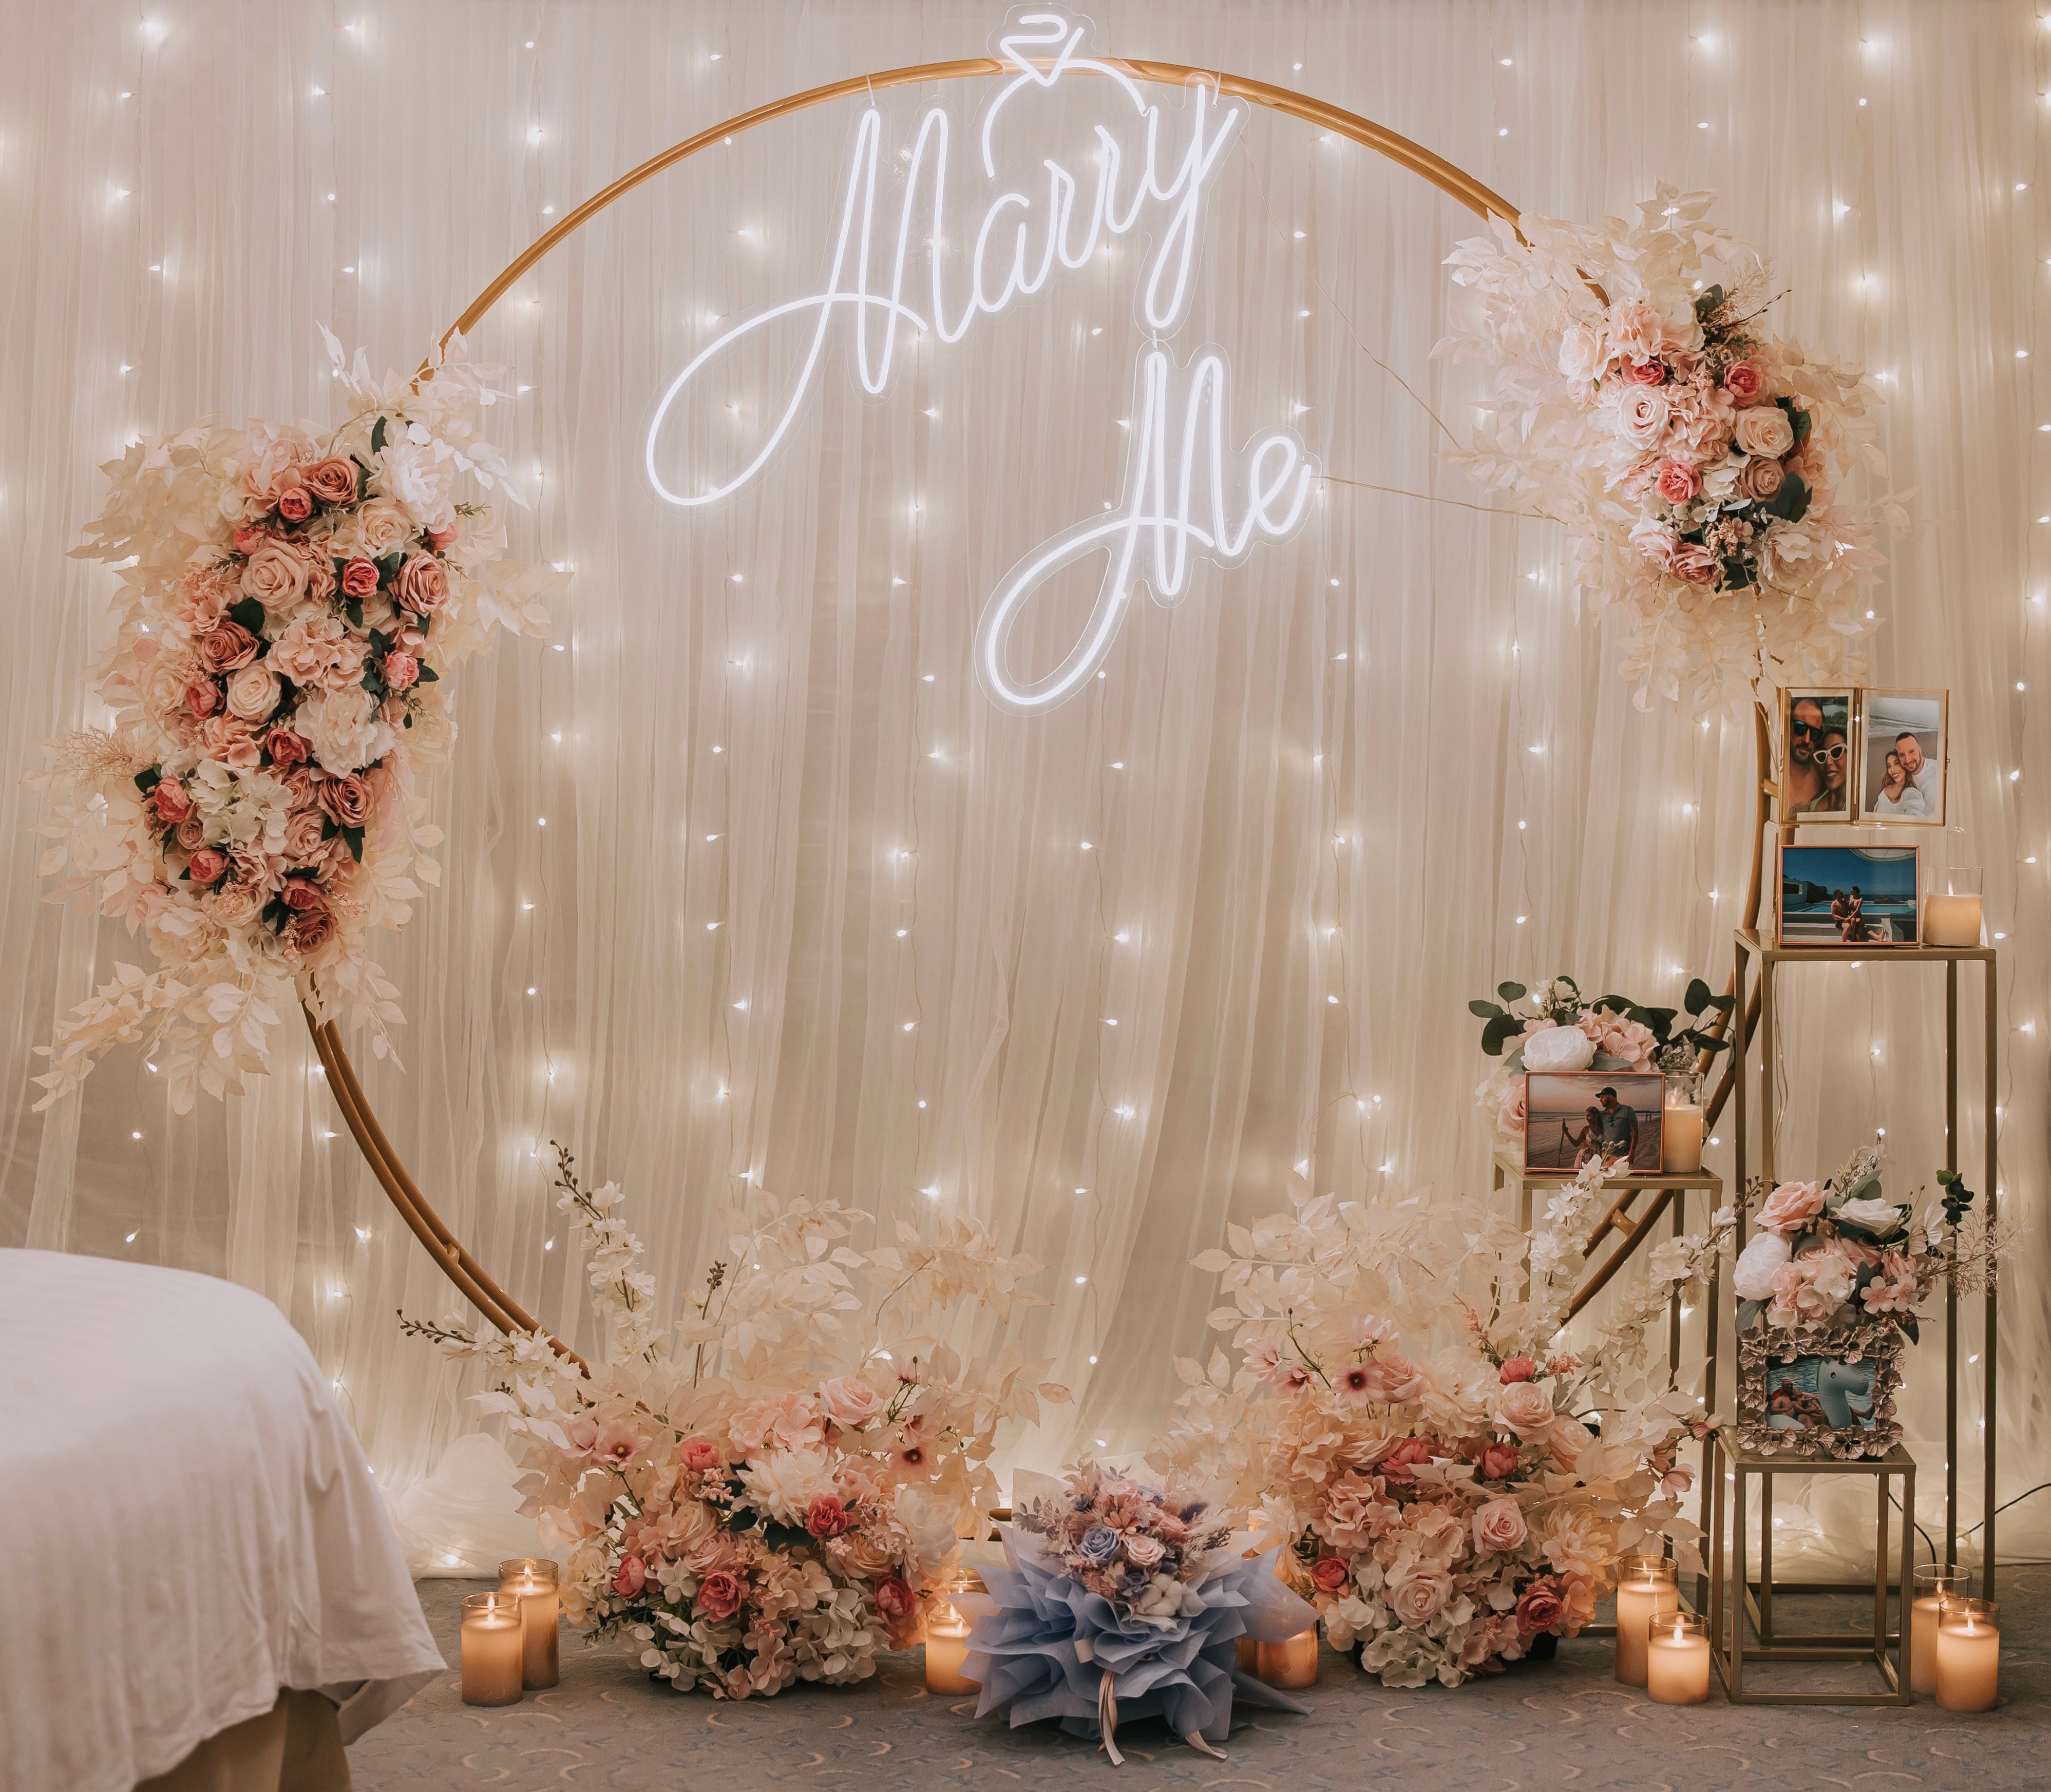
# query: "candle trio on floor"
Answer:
x=511 y=1638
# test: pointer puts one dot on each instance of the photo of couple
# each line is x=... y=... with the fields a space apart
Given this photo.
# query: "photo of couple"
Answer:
x=1817 y=779
x=1904 y=771
x=1570 y=1117
x=1871 y=757
x=1848 y=896
x=1820 y=1394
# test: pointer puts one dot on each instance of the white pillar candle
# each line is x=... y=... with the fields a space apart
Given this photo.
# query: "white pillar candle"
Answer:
x=1968 y=1656
x=947 y=1649
x=493 y=1653
x=533 y=1582
x=1680 y=1136
x=1935 y=1584
x=1951 y=920
x=1677 y=1661
x=1645 y=1591
x=1290 y=1663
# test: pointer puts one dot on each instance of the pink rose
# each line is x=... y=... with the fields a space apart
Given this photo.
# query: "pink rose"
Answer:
x=701 y=1455
x=1393 y=1379
x=1642 y=416
x=304 y=838
x=1654 y=539
x=1509 y=1109
x=301 y=895
x=1761 y=478
x=1694 y=562
x=228 y=739
x=719 y=1595
x=189 y=835
x=333 y=481
x=1645 y=372
x=346 y=801
x=275 y=575
x=1539 y=1608
x=1418 y=1598
x=1791 y=1206
x=234 y=905
x=402 y=672
x=894 y=1599
x=1525 y=1408
x=228 y=647
x=826 y=1517
x=285 y=747
x=1517 y=1368
x=253 y=694
x=1399 y=1463
x=1498 y=1526
x=422 y=586
x=442 y=538
x=1743 y=381
x=631 y=1578
x=359 y=578
x=1498 y=1461
x=1331 y=1574
x=207 y=864
x=248 y=538
x=295 y=503
x=171 y=802
x=306 y=935
x=849 y=1401
x=1566 y=1438
x=1678 y=481
x=203 y=698
x=1765 y=431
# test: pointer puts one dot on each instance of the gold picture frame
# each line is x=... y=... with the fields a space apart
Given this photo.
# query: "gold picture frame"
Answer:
x=1890 y=718
x=1809 y=715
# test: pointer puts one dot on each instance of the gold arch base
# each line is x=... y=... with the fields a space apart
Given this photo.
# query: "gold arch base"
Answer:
x=470 y=1277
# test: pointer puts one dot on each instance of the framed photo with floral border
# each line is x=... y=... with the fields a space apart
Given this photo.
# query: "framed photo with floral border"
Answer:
x=1817 y=1391
x=1818 y=773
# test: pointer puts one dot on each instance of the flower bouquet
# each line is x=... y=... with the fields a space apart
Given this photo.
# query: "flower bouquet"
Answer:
x=289 y=608
x=1557 y=1029
x=1828 y=1288
x=1123 y=1602
x=766 y=1492
x=1451 y=1511
x=1695 y=462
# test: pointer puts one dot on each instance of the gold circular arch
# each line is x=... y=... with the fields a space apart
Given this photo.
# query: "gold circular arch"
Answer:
x=470 y=1277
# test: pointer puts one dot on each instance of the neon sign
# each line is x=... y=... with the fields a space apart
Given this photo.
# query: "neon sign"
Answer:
x=1180 y=510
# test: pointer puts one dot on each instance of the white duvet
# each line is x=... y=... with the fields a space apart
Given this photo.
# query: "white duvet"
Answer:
x=187 y=1526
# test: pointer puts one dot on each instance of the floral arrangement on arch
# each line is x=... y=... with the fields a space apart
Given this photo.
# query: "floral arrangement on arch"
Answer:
x=1696 y=462
x=1557 y=1029
x=289 y=605
x=764 y=1492
x=1453 y=1505
x=1842 y=1252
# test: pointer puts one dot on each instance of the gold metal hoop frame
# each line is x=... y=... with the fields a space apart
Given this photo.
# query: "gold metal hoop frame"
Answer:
x=469 y=1276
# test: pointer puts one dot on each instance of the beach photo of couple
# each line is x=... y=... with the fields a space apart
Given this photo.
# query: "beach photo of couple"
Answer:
x=1570 y=1117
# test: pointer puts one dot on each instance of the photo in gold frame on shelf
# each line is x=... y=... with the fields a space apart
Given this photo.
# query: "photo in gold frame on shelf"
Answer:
x=1570 y=1116
x=1904 y=746
x=1851 y=899
x=1817 y=724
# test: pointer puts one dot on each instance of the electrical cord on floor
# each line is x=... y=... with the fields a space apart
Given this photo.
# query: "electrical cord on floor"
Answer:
x=1969 y=1530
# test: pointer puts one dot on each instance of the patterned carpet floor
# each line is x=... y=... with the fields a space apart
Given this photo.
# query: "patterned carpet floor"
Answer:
x=1564 y=1722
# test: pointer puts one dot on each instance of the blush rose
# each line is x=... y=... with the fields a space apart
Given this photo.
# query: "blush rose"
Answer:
x=207 y=865
x=295 y=503
x=1765 y=430
x=631 y=1578
x=701 y=1455
x=1525 y=1408
x=307 y=934
x=402 y=672
x=171 y=802
x=1539 y=1608
x=849 y=1401
x=893 y=1598
x=275 y=575
x=1791 y=1206
x=359 y=578
x=826 y=1517
x=1678 y=481
x=1761 y=478
x=332 y=481
x=285 y=747
x=1743 y=381
x=422 y=586
x=227 y=648
x=346 y=801
x=1498 y=1461
x=1499 y=1526
x=1331 y=1574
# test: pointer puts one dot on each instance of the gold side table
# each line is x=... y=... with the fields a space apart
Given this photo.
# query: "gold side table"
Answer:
x=1735 y=1600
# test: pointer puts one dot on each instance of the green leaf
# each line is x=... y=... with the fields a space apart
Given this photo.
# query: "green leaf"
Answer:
x=1511 y=992
x=1748 y=1313
x=1790 y=503
x=353 y=838
x=328 y=829
x=1706 y=302
x=1737 y=574
x=388 y=565
x=353 y=609
x=1723 y=1004
x=740 y=1518
x=428 y=675
x=1908 y=1324
x=277 y=914
x=147 y=781
x=1484 y=1010
x=1503 y=1028
x=1605 y=1062
x=785 y=1536
x=377 y=437
x=249 y=613
x=1697 y=997
x=1800 y=419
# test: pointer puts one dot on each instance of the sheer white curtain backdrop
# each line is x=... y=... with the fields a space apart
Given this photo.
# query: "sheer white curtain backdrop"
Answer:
x=806 y=908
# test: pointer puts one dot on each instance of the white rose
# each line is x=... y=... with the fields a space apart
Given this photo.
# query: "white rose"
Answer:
x=1757 y=1263
x=253 y=692
x=345 y=728
x=1558 y=1048
x=927 y=1519
x=409 y=474
x=1679 y=327
x=1641 y=416
x=1879 y=1217
x=1581 y=353
x=380 y=529
x=1764 y=430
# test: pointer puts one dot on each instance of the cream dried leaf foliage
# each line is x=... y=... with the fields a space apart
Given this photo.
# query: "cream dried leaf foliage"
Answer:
x=1722 y=583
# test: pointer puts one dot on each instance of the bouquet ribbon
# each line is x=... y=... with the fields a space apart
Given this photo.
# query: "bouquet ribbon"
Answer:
x=1045 y=1645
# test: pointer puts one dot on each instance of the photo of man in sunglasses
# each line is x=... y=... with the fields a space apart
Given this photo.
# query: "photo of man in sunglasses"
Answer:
x=1818 y=754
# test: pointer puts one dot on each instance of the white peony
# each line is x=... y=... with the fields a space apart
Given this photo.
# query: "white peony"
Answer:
x=1758 y=1263
x=1679 y=330
x=927 y=1519
x=1461 y=1389
x=411 y=475
x=1879 y=1217
x=783 y=1483
x=1582 y=353
x=345 y=728
x=1554 y=1049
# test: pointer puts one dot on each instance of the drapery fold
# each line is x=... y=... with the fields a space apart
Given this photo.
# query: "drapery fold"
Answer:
x=807 y=910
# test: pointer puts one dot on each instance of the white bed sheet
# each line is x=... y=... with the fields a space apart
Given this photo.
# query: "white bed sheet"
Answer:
x=187 y=1527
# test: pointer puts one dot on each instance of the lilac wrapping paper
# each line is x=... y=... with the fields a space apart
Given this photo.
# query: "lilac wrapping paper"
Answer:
x=1042 y=1643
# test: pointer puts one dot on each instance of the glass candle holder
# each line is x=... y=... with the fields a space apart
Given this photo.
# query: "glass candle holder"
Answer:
x=1952 y=911
x=493 y=1653
x=1645 y=1591
x=1934 y=1585
x=532 y=1581
x=1290 y=1663
x=947 y=1631
x=1677 y=1660
x=1680 y=1124
x=1968 y=1655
